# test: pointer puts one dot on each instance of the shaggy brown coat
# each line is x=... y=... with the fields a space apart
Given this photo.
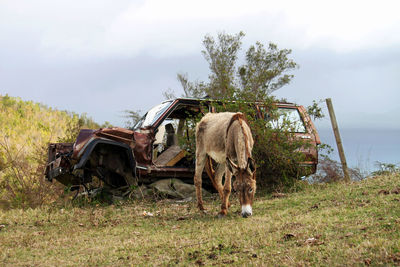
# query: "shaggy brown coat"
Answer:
x=226 y=138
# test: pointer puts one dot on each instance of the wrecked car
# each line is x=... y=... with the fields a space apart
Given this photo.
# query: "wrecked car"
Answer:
x=152 y=149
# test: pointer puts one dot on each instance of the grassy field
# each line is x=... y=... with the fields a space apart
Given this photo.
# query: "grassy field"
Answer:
x=328 y=225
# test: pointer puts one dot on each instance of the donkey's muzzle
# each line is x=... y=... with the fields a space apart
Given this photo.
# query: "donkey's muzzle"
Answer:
x=246 y=211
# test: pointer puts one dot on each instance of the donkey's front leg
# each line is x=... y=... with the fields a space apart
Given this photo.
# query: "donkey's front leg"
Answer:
x=227 y=192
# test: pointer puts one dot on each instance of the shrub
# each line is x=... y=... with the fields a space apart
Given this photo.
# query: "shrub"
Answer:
x=275 y=150
x=26 y=128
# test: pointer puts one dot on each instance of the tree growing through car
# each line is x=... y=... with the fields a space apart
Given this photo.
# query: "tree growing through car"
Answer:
x=265 y=69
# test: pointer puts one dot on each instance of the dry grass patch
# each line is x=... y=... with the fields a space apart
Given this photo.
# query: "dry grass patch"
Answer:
x=331 y=224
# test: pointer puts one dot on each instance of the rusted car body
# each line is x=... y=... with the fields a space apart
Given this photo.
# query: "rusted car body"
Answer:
x=104 y=153
x=151 y=149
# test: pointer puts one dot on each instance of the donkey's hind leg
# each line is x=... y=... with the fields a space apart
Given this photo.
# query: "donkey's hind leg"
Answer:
x=200 y=162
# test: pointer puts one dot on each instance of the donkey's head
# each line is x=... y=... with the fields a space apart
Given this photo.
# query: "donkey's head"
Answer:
x=245 y=184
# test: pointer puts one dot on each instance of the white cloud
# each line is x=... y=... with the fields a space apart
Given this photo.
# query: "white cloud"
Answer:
x=176 y=27
x=346 y=25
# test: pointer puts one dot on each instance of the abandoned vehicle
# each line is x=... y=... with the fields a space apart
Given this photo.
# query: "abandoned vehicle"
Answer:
x=156 y=147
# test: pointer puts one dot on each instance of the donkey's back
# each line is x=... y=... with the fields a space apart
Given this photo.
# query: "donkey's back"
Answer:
x=211 y=133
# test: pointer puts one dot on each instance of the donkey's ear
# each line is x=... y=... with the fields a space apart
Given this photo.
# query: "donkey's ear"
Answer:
x=231 y=166
x=251 y=164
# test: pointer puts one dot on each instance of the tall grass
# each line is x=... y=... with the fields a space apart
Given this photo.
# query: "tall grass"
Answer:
x=26 y=128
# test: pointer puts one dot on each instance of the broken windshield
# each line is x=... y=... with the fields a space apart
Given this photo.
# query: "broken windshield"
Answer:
x=152 y=115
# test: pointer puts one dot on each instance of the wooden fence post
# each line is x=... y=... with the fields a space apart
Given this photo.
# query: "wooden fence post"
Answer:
x=338 y=139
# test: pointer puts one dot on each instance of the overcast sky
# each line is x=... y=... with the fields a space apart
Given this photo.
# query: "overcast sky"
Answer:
x=103 y=57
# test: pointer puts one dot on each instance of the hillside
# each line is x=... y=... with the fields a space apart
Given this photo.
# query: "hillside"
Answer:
x=26 y=128
x=320 y=225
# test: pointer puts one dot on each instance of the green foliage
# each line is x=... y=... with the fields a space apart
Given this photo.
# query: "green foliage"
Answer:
x=106 y=124
x=264 y=71
x=315 y=111
x=276 y=150
x=132 y=117
x=222 y=56
x=277 y=158
x=191 y=89
x=386 y=169
x=26 y=128
x=75 y=124
x=188 y=141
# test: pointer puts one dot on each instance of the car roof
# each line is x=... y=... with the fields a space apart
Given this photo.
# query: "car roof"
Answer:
x=192 y=99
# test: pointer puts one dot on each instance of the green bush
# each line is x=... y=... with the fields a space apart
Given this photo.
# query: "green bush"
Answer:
x=275 y=150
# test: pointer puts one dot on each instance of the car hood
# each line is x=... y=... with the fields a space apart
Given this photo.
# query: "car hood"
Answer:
x=118 y=134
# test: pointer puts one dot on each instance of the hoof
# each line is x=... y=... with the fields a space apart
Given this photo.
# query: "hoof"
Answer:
x=221 y=215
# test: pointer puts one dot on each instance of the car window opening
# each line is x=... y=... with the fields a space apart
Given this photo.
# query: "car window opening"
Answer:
x=288 y=119
x=173 y=135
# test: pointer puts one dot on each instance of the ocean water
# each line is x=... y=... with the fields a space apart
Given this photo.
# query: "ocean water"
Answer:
x=364 y=148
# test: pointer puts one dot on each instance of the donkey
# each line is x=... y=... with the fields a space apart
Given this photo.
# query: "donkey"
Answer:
x=226 y=138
